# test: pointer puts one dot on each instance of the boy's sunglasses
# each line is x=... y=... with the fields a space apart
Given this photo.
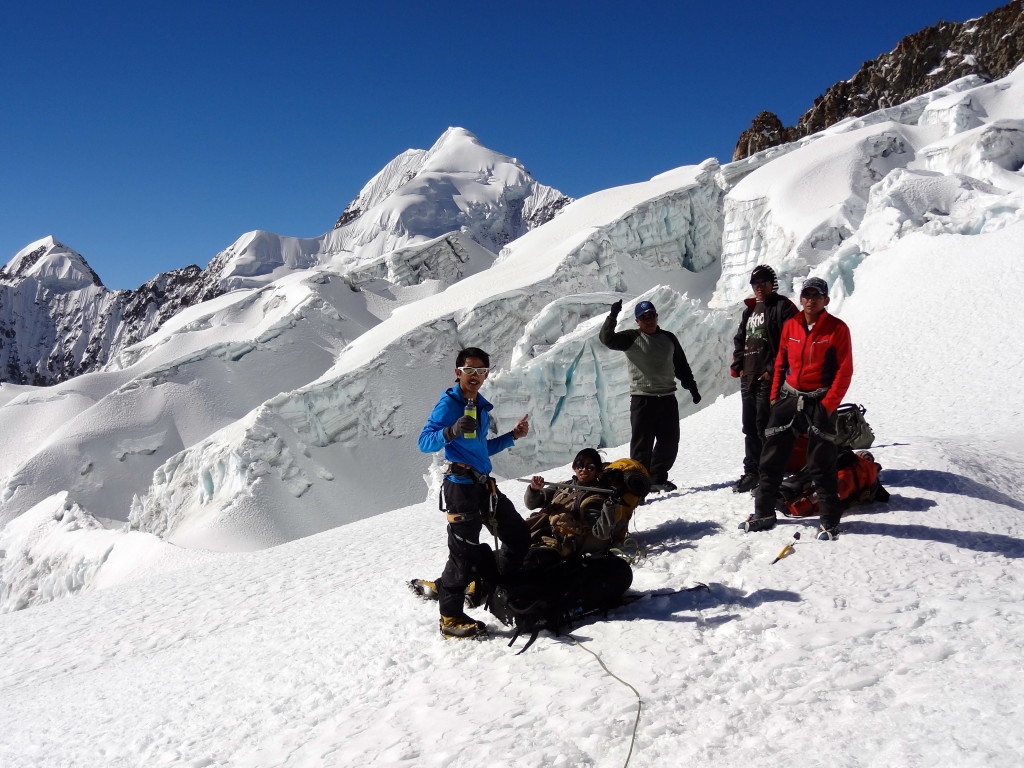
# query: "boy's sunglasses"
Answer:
x=471 y=371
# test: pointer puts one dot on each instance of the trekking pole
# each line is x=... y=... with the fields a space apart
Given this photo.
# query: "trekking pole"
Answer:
x=788 y=549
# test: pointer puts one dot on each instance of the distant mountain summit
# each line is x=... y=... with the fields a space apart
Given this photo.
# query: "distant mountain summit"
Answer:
x=58 y=320
x=458 y=184
x=458 y=202
x=989 y=47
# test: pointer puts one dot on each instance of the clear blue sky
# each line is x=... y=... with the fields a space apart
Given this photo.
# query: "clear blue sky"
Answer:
x=150 y=135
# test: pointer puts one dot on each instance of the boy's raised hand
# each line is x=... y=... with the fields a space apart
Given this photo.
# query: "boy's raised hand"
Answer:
x=522 y=427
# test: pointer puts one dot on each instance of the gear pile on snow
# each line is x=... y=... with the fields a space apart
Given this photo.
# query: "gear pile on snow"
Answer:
x=552 y=594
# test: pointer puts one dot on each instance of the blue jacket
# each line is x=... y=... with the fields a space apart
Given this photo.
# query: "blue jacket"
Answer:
x=476 y=452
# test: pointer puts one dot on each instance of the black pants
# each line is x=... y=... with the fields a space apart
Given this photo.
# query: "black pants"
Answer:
x=821 y=456
x=655 y=441
x=754 y=394
x=467 y=558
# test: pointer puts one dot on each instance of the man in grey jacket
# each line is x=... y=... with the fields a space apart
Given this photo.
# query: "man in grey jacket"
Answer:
x=655 y=361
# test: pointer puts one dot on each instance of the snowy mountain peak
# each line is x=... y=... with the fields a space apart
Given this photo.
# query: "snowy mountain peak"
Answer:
x=460 y=151
x=455 y=151
x=428 y=219
x=458 y=185
x=455 y=135
x=52 y=264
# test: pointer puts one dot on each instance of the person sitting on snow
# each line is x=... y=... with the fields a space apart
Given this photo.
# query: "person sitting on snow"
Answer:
x=565 y=516
x=583 y=517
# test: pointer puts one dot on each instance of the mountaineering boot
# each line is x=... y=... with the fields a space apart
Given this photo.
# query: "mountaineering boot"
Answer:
x=462 y=627
x=664 y=485
x=426 y=590
x=476 y=593
x=748 y=481
x=828 y=534
x=758 y=523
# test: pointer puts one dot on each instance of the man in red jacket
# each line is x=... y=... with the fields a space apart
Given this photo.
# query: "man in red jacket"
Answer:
x=812 y=373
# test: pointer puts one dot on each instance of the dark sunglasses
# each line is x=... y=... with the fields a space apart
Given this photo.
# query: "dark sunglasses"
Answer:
x=811 y=295
x=588 y=467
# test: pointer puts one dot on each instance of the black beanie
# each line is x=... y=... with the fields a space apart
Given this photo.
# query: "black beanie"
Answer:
x=764 y=274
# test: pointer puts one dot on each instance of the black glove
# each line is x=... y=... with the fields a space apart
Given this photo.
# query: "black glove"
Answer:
x=616 y=308
x=612 y=479
x=460 y=427
x=696 y=396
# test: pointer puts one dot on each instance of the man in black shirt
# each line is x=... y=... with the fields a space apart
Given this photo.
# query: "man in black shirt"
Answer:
x=755 y=347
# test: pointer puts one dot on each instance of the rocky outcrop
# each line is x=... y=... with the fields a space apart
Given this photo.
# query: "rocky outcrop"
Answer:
x=989 y=47
x=58 y=320
x=766 y=131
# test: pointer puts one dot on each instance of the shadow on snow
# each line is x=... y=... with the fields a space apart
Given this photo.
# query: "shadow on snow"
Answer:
x=675 y=535
x=978 y=541
x=947 y=482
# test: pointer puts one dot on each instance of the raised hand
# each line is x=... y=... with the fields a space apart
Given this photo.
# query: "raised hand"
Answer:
x=522 y=427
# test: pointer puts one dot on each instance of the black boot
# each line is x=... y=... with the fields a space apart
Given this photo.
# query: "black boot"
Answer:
x=758 y=523
x=747 y=482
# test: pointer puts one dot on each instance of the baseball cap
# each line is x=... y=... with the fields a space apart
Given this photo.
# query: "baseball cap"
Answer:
x=763 y=274
x=815 y=284
x=643 y=307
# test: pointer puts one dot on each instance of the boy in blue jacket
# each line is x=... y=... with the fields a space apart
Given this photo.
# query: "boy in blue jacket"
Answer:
x=469 y=495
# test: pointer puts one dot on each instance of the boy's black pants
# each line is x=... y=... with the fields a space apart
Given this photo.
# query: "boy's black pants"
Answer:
x=467 y=558
x=754 y=394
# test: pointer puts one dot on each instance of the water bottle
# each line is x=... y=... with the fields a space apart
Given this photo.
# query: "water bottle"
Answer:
x=470 y=411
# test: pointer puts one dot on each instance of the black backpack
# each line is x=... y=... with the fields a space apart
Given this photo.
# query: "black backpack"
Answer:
x=852 y=429
x=552 y=592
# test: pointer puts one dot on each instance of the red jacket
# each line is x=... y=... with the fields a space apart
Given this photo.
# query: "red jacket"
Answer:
x=821 y=358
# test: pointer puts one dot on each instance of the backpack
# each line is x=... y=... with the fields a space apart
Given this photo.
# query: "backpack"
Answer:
x=630 y=482
x=852 y=429
x=858 y=484
x=551 y=592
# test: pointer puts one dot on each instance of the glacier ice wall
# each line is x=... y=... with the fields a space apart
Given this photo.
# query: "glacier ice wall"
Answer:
x=764 y=191
x=369 y=416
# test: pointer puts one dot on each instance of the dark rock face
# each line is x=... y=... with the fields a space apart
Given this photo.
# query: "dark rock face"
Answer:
x=48 y=335
x=148 y=307
x=766 y=131
x=990 y=47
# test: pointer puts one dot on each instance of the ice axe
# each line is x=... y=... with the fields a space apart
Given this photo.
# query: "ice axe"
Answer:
x=574 y=486
x=788 y=549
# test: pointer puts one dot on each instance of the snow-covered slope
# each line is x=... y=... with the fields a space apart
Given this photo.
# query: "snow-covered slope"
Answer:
x=899 y=644
x=796 y=206
x=293 y=405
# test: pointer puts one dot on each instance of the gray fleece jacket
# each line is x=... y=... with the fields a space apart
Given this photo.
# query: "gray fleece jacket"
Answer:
x=655 y=360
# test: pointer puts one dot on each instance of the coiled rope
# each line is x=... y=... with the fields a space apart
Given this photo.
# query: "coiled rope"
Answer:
x=639 y=701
